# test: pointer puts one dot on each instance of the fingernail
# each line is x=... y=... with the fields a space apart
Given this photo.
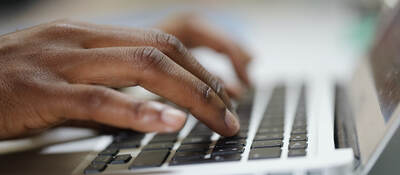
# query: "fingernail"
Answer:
x=231 y=121
x=155 y=105
x=169 y=129
x=172 y=116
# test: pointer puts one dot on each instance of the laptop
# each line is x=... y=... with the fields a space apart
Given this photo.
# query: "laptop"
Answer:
x=288 y=128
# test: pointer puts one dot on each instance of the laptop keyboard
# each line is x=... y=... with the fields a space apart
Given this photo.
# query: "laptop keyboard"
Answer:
x=199 y=147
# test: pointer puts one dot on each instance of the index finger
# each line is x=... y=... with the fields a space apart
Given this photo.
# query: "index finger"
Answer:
x=193 y=31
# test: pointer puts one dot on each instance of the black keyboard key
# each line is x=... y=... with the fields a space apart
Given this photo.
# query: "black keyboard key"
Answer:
x=200 y=127
x=267 y=143
x=276 y=106
x=298 y=137
x=189 y=161
x=270 y=119
x=274 y=112
x=240 y=135
x=260 y=137
x=270 y=130
x=196 y=139
x=217 y=158
x=128 y=135
x=300 y=120
x=208 y=133
x=113 y=145
x=296 y=152
x=149 y=159
x=226 y=157
x=222 y=151
x=299 y=126
x=130 y=144
x=95 y=168
x=193 y=147
x=189 y=155
x=109 y=151
x=272 y=125
x=230 y=143
x=244 y=130
x=121 y=159
x=265 y=153
x=299 y=131
x=102 y=159
x=125 y=144
x=156 y=146
x=298 y=145
x=164 y=138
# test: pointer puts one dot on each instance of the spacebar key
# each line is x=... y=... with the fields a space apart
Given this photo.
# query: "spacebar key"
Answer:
x=149 y=159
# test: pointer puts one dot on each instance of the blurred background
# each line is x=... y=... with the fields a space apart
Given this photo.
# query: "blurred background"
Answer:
x=303 y=36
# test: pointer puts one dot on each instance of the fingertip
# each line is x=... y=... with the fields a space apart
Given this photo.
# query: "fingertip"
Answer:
x=244 y=77
x=232 y=122
x=173 y=117
x=154 y=116
x=236 y=90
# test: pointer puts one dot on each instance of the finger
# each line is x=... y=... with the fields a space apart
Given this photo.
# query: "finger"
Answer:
x=235 y=90
x=218 y=41
x=101 y=36
x=151 y=69
x=107 y=106
x=188 y=26
x=90 y=125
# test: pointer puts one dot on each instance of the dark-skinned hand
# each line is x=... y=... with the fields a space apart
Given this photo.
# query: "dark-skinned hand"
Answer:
x=65 y=71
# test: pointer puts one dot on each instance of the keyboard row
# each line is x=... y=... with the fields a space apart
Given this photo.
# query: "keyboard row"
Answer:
x=268 y=140
x=298 y=136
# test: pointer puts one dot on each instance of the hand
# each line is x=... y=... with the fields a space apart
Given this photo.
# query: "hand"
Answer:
x=64 y=70
x=195 y=31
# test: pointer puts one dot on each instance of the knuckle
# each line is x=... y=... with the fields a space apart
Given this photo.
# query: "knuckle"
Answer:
x=169 y=42
x=139 y=110
x=62 y=27
x=94 y=98
x=214 y=83
x=209 y=100
x=63 y=21
x=147 y=57
x=206 y=93
x=217 y=85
